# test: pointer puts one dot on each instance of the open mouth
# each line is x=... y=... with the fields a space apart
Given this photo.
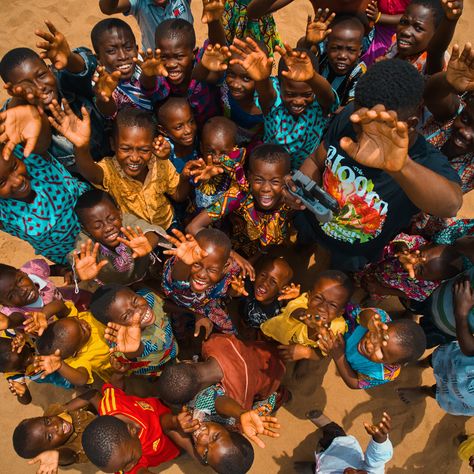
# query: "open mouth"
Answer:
x=67 y=428
x=260 y=292
x=135 y=167
x=459 y=141
x=404 y=43
x=47 y=97
x=199 y=285
x=266 y=201
x=125 y=69
x=297 y=109
x=30 y=296
x=175 y=75
x=148 y=317
x=188 y=140
x=112 y=237
x=24 y=188
x=340 y=67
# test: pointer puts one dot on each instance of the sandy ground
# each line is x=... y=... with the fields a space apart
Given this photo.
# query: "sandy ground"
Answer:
x=423 y=435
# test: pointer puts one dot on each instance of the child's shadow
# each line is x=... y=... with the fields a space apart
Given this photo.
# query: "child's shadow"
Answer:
x=433 y=459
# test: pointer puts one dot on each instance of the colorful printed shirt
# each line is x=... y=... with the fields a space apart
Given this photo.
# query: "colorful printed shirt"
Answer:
x=208 y=304
x=49 y=223
x=157 y=448
x=300 y=135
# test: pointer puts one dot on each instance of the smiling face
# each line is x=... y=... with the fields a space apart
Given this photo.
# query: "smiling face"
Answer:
x=210 y=270
x=35 y=74
x=240 y=85
x=179 y=125
x=48 y=432
x=125 y=305
x=266 y=182
x=133 y=150
x=117 y=50
x=415 y=30
x=271 y=279
x=211 y=442
x=327 y=299
x=344 y=45
x=461 y=140
x=296 y=96
x=371 y=346
x=178 y=58
x=17 y=289
x=103 y=222
x=15 y=182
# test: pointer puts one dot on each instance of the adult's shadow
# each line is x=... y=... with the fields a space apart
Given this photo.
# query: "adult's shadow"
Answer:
x=433 y=459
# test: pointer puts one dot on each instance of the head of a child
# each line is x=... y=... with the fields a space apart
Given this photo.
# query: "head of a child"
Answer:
x=296 y=95
x=241 y=86
x=417 y=26
x=329 y=295
x=218 y=138
x=24 y=67
x=68 y=335
x=438 y=262
x=115 y=46
x=15 y=181
x=118 y=304
x=16 y=287
x=211 y=269
x=398 y=86
x=35 y=435
x=11 y=361
x=176 y=121
x=100 y=217
x=111 y=444
x=227 y=452
x=461 y=140
x=272 y=276
x=406 y=343
x=344 y=44
x=132 y=141
x=176 y=40
x=268 y=166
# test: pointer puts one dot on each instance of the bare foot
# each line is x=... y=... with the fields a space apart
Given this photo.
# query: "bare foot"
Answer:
x=410 y=395
x=318 y=418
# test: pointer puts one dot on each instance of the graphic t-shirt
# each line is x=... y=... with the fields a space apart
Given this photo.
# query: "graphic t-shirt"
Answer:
x=373 y=207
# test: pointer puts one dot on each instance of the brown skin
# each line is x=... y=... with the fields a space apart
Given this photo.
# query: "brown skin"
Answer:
x=391 y=353
x=461 y=140
x=271 y=280
x=15 y=183
x=216 y=143
x=17 y=290
x=49 y=432
x=341 y=6
x=296 y=96
x=211 y=442
x=242 y=88
x=344 y=46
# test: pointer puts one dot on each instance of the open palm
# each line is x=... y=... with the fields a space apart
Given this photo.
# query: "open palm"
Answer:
x=126 y=338
x=460 y=71
x=255 y=61
x=212 y=10
x=106 y=83
x=299 y=64
x=55 y=46
x=152 y=65
x=187 y=249
x=215 y=58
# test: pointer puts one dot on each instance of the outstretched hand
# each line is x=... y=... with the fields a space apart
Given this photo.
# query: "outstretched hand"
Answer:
x=186 y=248
x=382 y=140
x=202 y=171
x=161 y=147
x=237 y=284
x=300 y=67
x=127 y=339
x=251 y=58
x=35 y=322
x=410 y=260
x=379 y=432
x=460 y=71
x=317 y=29
x=289 y=292
x=105 y=83
x=332 y=344
x=55 y=46
x=452 y=9
x=254 y=425
x=372 y=10
x=48 y=364
x=49 y=462
x=378 y=334
x=136 y=240
x=152 y=65
x=463 y=298
x=215 y=58
x=86 y=264
x=212 y=10
x=186 y=421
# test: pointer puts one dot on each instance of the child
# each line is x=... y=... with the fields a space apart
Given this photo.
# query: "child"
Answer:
x=342 y=453
x=132 y=433
x=75 y=348
x=411 y=268
x=198 y=277
x=148 y=14
x=54 y=439
x=264 y=298
x=339 y=54
x=137 y=326
x=424 y=32
x=373 y=349
x=311 y=314
x=122 y=80
x=113 y=248
x=296 y=104
x=29 y=80
x=176 y=122
x=260 y=218
x=137 y=179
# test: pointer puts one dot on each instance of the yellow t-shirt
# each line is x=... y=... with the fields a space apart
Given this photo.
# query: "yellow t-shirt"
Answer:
x=287 y=330
x=94 y=356
x=466 y=448
x=145 y=200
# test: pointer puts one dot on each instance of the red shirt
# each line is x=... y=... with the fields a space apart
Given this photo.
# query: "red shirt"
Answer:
x=145 y=412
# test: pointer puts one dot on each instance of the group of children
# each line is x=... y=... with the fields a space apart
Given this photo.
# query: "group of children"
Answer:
x=158 y=182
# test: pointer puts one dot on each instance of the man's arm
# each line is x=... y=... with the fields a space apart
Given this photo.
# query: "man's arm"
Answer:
x=109 y=7
x=313 y=166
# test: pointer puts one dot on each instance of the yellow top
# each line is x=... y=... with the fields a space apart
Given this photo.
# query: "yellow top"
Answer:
x=287 y=330
x=145 y=200
x=466 y=449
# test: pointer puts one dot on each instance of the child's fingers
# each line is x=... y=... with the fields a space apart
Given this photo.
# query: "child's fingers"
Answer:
x=270 y=433
x=46 y=36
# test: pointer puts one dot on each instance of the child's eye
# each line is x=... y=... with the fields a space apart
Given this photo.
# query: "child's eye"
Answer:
x=419 y=29
x=50 y=437
x=246 y=79
x=178 y=127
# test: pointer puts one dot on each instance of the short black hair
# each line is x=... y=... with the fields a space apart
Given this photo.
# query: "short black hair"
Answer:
x=178 y=383
x=176 y=28
x=102 y=437
x=90 y=199
x=221 y=125
x=6 y=354
x=104 y=26
x=394 y=83
x=56 y=336
x=433 y=5
x=270 y=153
x=410 y=337
x=270 y=260
x=102 y=299
x=171 y=102
x=312 y=57
x=14 y=58
x=353 y=21
x=343 y=279
x=24 y=442
x=130 y=117
x=7 y=270
x=216 y=237
x=238 y=459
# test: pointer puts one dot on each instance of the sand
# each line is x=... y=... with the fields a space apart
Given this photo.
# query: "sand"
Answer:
x=424 y=436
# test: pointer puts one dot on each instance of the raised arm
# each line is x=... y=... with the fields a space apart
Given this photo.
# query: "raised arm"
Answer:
x=109 y=7
x=463 y=298
x=259 y=8
x=212 y=11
